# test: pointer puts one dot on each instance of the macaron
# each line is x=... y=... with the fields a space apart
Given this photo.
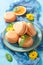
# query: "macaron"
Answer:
x=9 y=17
x=31 y=30
x=19 y=28
x=26 y=27
x=28 y=42
x=11 y=37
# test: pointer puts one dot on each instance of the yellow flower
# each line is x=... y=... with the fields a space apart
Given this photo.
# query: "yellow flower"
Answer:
x=33 y=55
x=9 y=29
x=30 y=17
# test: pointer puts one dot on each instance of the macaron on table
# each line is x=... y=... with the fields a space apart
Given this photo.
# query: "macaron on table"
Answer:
x=10 y=17
x=20 y=34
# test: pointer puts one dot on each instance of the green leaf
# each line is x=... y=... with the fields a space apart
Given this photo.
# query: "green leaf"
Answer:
x=16 y=9
x=21 y=42
x=10 y=25
x=23 y=38
x=9 y=57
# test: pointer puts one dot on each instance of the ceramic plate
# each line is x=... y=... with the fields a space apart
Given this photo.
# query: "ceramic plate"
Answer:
x=15 y=47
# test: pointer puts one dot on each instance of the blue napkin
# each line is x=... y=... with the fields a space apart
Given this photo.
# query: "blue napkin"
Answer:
x=34 y=7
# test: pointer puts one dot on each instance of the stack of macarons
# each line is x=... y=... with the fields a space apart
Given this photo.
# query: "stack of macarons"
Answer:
x=22 y=33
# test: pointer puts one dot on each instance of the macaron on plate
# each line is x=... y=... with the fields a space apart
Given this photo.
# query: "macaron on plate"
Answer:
x=29 y=43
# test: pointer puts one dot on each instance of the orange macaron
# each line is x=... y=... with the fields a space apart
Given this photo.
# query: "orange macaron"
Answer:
x=11 y=37
x=19 y=28
x=10 y=17
x=31 y=30
x=28 y=42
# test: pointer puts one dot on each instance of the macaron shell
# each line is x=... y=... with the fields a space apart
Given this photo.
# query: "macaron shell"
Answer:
x=11 y=37
x=28 y=42
x=10 y=16
x=31 y=30
x=19 y=28
x=19 y=40
x=26 y=27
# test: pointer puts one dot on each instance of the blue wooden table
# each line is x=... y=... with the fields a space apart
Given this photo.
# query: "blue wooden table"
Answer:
x=4 y=5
